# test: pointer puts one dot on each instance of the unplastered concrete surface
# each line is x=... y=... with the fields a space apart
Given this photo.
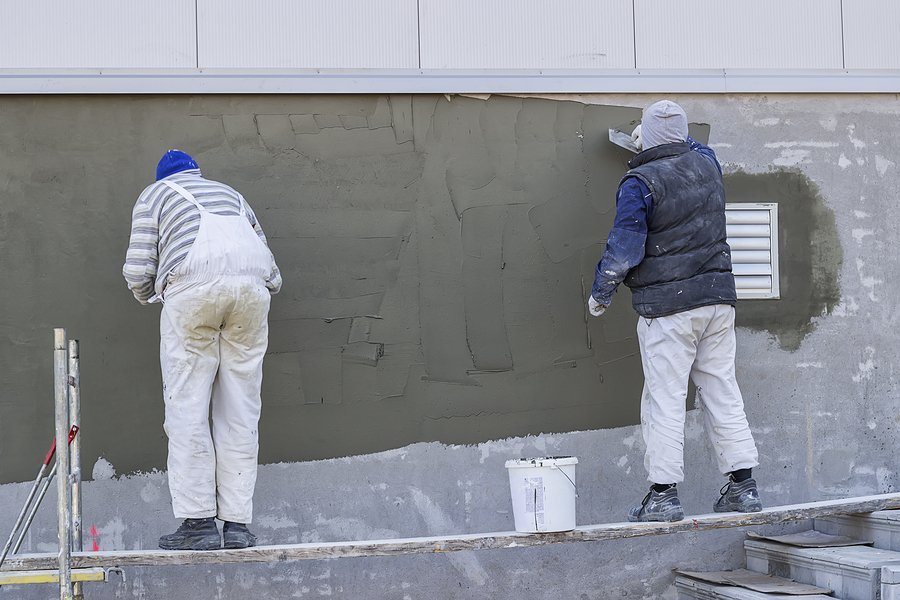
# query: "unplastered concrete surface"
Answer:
x=424 y=489
x=418 y=278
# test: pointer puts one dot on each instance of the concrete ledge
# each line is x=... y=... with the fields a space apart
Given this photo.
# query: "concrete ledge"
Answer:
x=882 y=527
x=890 y=582
x=415 y=81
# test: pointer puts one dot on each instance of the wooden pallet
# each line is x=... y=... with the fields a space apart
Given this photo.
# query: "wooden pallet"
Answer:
x=457 y=543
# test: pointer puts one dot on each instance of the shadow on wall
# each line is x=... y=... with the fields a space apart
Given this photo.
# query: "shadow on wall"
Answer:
x=436 y=256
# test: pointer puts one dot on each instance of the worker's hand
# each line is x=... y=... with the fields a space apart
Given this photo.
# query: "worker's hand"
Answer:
x=636 y=137
x=595 y=307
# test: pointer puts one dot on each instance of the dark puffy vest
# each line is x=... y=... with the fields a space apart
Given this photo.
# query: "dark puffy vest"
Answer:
x=687 y=263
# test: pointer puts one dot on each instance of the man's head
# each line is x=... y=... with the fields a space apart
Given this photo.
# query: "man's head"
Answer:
x=174 y=161
x=663 y=123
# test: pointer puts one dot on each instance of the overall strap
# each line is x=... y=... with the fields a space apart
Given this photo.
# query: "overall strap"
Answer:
x=184 y=193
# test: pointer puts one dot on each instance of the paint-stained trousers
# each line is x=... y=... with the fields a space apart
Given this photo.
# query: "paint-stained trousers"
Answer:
x=213 y=336
x=698 y=344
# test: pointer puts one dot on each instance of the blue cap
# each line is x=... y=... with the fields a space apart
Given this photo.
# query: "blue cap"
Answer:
x=174 y=161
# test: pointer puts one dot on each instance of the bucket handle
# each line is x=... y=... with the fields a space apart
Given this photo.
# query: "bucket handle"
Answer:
x=567 y=477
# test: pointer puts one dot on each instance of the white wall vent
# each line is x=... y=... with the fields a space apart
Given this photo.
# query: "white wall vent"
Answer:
x=753 y=237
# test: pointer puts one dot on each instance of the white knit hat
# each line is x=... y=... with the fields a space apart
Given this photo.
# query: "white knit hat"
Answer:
x=663 y=123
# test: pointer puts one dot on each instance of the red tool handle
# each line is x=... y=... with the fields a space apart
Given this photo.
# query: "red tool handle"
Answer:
x=72 y=433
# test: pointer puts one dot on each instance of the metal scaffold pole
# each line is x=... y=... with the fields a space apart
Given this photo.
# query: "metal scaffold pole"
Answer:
x=75 y=450
x=64 y=510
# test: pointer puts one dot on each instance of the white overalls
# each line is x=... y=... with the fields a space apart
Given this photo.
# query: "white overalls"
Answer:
x=213 y=335
x=699 y=344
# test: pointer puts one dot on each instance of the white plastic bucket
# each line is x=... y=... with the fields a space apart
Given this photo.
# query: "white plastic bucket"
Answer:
x=543 y=493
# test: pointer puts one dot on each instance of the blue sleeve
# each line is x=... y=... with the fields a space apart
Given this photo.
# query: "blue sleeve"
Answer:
x=627 y=240
x=705 y=151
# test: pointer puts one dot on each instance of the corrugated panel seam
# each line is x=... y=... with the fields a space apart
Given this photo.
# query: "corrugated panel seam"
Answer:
x=415 y=81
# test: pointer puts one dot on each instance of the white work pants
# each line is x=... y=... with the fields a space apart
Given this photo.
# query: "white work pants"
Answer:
x=214 y=332
x=213 y=336
x=699 y=344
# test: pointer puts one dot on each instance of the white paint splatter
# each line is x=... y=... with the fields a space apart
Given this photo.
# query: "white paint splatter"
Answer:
x=112 y=534
x=103 y=470
x=275 y=522
x=860 y=234
x=721 y=145
x=867 y=367
x=767 y=122
x=809 y=365
x=802 y=145
x=623 y=460
x=343 y=528
x=439 y=523
x=867 y=282
x=857 y=143
x=882 y=164
x=791 y=158
x=872 y=424
x=848 y=307
x=828 y=123
x=859 y=214
x=150 y=493
x=843 y=161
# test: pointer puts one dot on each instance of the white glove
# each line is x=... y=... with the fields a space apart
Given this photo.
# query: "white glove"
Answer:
x=636 y=137
x=595 y=307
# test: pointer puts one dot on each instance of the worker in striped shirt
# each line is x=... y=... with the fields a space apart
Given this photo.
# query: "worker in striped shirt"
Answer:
x=197 y=248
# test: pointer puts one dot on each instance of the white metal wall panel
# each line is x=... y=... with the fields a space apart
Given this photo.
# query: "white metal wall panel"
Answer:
x=527 y=34
x=308 y=34
x=753 y=237
x=76 y=34
x=738 y=34
x=871 y=39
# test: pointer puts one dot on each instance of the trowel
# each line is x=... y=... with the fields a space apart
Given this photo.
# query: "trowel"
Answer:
x=618 y=136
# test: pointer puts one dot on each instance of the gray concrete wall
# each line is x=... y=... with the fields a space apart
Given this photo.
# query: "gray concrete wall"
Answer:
x=459 y=195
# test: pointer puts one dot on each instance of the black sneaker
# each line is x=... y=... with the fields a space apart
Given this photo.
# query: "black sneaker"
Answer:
x=237 y=536
x=739 y=497
x=658 y=506
x=194 y=534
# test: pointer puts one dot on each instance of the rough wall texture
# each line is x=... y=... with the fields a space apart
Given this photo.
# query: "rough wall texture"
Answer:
x=435 y=254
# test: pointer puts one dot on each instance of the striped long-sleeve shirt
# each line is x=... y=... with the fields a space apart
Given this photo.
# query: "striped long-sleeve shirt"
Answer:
x=164 y=226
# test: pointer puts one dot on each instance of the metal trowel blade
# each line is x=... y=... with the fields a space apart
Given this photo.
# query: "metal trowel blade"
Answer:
x=622 y=139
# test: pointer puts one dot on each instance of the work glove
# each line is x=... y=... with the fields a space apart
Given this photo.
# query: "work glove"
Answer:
x=595 y=307
x=636 y=138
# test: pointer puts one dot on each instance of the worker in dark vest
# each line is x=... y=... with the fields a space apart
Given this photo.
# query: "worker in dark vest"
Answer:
x=668 y=245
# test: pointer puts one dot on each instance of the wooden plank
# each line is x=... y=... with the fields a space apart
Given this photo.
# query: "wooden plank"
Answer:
x=457 y=543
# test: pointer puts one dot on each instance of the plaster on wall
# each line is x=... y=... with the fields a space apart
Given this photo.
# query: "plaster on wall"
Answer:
x=825 y=416
x=436 y=254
